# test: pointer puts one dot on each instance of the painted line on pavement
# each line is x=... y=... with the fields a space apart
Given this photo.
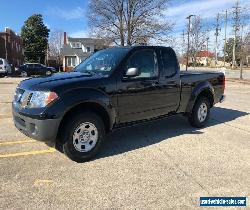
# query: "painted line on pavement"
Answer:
x=34 y=152
x=16 y=142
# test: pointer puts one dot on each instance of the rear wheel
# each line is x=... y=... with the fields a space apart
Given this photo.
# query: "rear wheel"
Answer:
x=200 y=113
x=83 y=136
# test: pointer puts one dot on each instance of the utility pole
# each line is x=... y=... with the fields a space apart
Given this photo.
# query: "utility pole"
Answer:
x=241 y=52
x=236 y=18
x=207 y=50
x=225 y=43
x=217 y=29
x=189 y=24
x=183 y=42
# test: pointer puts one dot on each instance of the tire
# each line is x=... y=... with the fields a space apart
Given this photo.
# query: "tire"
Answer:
x=24 y=74
x=83 y=136
x=200 y=113
x=48 y=73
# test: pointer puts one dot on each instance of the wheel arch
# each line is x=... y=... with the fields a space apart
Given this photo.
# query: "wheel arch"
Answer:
x=204 y=89
x=87 y=106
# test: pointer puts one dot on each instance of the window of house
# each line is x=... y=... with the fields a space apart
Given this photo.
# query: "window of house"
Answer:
x=146 y=62
x=88 y=49
x=76 y=45
x=71 y=61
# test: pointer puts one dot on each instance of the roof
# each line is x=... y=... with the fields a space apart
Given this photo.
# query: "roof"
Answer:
x=69 y=51
x=86 y=40
x=205 y=54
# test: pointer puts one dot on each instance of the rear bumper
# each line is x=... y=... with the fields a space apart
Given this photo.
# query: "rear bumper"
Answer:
x=42 y=130
x=223 y=97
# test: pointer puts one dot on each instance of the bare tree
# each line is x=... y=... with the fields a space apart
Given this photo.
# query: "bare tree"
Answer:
x=55 y=45
x=199 y=33
x=129 y=22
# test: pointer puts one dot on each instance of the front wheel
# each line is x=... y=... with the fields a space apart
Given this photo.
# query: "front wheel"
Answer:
x=200 y=113
x=83 y=136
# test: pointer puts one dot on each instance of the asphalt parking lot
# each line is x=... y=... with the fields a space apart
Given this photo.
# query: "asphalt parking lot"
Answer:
x=164 y=164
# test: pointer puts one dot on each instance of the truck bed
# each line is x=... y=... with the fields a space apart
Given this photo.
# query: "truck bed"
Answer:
x=191 y=79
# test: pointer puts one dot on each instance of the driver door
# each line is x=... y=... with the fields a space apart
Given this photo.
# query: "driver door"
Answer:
x=138 y=97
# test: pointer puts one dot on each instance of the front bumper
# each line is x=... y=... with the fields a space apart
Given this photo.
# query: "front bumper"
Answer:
x=42 y=130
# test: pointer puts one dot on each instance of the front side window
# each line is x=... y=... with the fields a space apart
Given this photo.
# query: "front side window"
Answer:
x=37 y=66
x=146 y=62
x=1 y=62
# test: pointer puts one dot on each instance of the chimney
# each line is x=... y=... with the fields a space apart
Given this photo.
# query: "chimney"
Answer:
x=65 y=38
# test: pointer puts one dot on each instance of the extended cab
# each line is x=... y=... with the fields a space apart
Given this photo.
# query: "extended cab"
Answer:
x=112 y=88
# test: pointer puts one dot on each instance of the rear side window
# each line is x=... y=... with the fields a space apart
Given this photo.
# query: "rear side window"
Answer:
x=1 y=62
x=170 y=64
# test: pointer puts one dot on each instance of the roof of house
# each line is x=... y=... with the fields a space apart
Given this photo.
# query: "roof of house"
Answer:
x=86 y=40
x=69 y=51
x=205 y=54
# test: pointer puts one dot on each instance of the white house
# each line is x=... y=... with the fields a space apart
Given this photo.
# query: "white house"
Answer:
x=75 y=50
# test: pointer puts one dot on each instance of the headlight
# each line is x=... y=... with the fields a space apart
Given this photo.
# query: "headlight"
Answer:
x=38 y=99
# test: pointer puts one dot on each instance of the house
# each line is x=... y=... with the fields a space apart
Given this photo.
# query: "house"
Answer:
x=75 y=50
x=11 y=47
x=205 y=57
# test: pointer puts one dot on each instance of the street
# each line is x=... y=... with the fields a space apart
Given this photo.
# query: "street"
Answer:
x=166 y=164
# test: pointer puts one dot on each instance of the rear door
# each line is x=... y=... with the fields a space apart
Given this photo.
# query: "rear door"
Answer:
x=170 y=80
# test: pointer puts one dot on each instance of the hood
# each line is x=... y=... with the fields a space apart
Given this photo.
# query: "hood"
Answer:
x=46 y=82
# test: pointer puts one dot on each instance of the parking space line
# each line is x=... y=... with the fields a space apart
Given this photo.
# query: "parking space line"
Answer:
x=34 y=152
x=16 y=142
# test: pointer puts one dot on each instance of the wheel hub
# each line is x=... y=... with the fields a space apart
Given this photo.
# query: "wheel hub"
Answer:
x=85 y=137
x=202 y=112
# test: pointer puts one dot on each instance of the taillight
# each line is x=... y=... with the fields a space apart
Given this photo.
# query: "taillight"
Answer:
x=222 y=81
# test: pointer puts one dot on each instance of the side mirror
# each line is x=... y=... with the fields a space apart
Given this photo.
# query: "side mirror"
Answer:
x=132 y=72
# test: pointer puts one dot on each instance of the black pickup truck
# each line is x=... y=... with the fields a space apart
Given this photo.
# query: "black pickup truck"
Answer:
x=112 y=88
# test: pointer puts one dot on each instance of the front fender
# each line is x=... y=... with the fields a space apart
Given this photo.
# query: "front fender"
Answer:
x=199 y=88
x=74 y=97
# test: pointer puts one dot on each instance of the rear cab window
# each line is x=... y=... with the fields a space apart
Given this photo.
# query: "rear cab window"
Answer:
x=169 y=62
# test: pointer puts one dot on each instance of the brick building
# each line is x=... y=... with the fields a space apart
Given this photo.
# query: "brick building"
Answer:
x=11 y=47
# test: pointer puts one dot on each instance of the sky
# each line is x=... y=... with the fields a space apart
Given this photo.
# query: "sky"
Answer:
x=71 y=16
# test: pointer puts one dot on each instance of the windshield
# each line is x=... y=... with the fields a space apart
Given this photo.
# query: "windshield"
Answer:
x=102 y=62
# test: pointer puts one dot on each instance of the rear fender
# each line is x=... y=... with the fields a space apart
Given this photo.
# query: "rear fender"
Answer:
x=203 y=87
